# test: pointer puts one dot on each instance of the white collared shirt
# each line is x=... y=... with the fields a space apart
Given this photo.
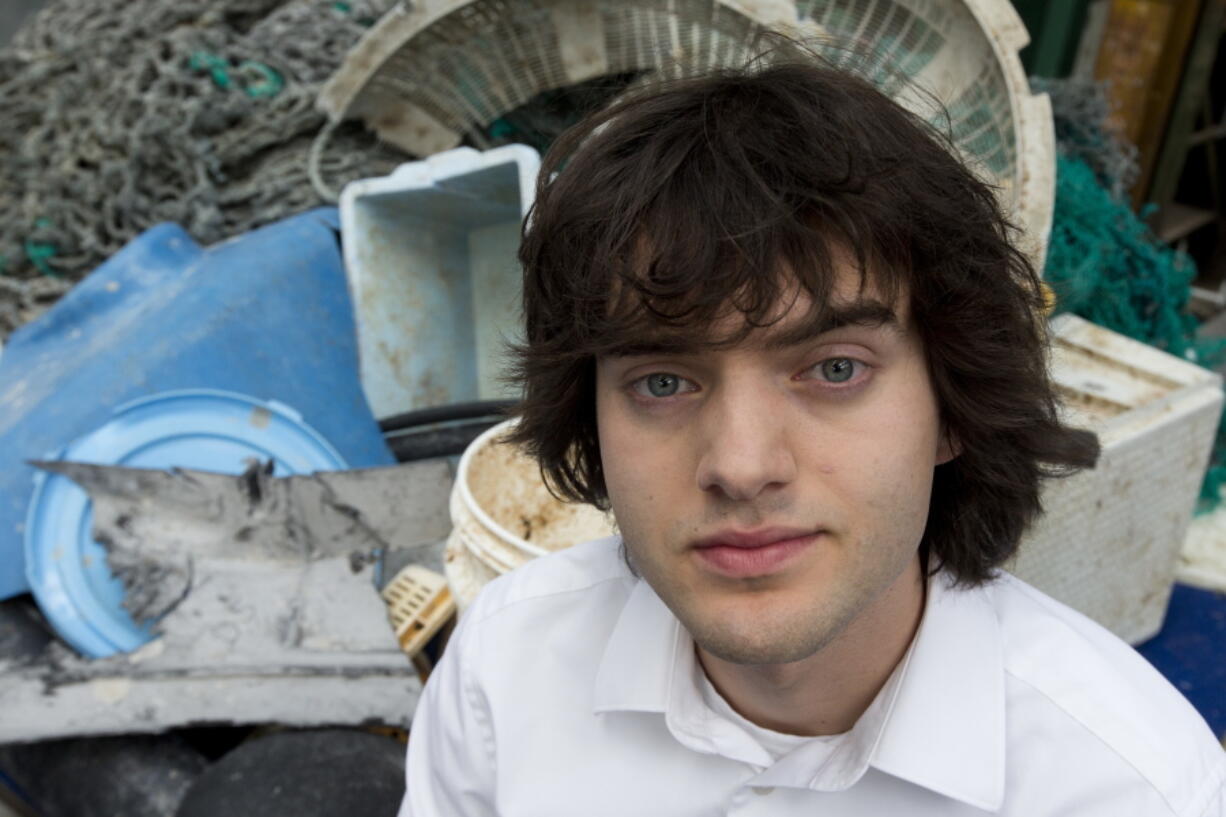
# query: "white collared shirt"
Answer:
x=570 y=689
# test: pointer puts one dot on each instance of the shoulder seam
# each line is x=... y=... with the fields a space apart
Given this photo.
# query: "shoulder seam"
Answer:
x=1170 y=807
x=1051 y=606
x=486 y=614
x=1215 y=784
x=480 y=714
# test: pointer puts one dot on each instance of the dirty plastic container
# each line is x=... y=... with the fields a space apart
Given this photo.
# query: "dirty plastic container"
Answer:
x=267 y=314
x=1108 y=541
x=503 y=515
x=431 y=256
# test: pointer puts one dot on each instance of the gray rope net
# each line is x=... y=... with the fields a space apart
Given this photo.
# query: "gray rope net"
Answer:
x=1081 y=110
x=121 y=115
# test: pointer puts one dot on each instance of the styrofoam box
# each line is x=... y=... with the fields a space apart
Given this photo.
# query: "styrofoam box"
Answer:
x=430 y=253
x=1109 y=539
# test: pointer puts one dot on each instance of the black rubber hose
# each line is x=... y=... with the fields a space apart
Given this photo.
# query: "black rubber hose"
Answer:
x=443 y=414
x=448 y=441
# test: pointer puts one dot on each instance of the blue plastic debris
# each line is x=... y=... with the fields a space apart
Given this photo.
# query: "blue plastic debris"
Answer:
x=267 y=314
x=200 y=429
x=1188 y=651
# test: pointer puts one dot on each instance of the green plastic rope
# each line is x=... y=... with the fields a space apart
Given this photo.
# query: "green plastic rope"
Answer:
x=267 y=81
x=218 y=68
x=39 y=253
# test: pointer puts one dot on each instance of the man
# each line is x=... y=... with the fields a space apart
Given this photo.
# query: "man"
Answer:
x=780 y=331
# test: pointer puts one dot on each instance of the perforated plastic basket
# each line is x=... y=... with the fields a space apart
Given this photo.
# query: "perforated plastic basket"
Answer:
x=418 y=605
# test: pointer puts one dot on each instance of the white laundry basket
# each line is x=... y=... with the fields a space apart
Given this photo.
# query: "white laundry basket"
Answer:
x=430 y=72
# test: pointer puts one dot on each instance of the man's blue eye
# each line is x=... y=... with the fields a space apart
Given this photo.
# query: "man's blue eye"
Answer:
x=663 y=385
x=838 y=369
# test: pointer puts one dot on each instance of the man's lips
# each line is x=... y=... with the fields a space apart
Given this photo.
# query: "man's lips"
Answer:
x=740 y=554
x=759 y=537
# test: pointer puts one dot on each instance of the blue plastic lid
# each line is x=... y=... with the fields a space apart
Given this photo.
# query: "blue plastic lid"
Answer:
x=199 y=429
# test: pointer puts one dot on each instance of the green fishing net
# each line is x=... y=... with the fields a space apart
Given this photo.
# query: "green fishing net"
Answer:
x=1104 y=263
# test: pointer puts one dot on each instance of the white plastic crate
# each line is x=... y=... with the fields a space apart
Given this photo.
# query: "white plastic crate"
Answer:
x=1109 y=540
x=430 y=253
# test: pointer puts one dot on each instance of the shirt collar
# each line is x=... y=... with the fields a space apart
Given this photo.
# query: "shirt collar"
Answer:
x=645 y=638
x=946 y=729
x=938 y=722
x=649 y=638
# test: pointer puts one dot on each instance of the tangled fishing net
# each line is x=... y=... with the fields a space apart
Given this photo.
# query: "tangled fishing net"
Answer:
x=120 y=115
x=1105 y=265
x=1103 y=262
x=1080 y=111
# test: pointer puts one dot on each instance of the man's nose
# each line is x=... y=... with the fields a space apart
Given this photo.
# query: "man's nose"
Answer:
x=745 y=442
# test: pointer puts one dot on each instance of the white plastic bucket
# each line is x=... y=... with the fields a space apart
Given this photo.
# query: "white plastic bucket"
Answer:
x=503 y=515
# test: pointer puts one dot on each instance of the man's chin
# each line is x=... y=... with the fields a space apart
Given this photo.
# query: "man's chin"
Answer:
x=750 y=642
x=758 y=654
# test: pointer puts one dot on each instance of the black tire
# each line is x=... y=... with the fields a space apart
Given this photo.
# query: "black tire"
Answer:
x=317 y=773
x=124 y=776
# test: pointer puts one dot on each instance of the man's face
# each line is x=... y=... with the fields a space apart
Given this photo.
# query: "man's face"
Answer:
x=771 y=494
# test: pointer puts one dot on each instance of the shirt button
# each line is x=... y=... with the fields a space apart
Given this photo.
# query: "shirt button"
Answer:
x=763 y=790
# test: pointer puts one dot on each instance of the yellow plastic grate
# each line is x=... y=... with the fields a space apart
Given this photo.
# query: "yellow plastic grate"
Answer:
x=419 y=603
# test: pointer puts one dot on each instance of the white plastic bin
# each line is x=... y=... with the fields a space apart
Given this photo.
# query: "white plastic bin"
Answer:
x=1108 y=542
x=430 y=253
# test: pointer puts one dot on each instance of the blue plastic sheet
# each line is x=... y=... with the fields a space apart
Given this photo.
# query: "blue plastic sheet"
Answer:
x=267 y=314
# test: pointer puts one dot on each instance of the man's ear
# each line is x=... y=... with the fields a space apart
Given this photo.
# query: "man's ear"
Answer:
x=948 y=447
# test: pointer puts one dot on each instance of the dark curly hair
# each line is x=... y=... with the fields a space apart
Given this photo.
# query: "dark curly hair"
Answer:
x=663 y=211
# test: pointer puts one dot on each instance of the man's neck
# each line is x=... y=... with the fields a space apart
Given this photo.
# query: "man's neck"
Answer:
x=826 y=693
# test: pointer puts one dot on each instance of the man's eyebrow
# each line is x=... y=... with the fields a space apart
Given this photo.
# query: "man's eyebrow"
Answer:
x=659 y=345
x=859 y=313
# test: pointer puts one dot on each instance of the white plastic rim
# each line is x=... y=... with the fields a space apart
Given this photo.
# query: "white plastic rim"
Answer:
x=466 y=538
x=489 y=549
x=469 y=505
x=466 y=574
